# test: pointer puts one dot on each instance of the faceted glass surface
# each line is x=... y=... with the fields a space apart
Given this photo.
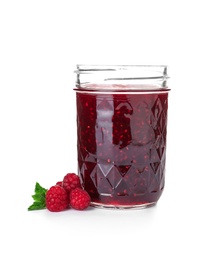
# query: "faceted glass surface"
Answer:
x=122 y=146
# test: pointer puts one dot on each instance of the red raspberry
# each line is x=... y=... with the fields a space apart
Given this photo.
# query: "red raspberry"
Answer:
x=71 y=181
x=57 y=199
x=79 y=199
x=59 y=183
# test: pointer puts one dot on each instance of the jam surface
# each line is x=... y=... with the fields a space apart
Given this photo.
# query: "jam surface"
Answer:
x=122 y=146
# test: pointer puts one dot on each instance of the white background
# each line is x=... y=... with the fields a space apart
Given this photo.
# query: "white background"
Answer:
x=40 y=44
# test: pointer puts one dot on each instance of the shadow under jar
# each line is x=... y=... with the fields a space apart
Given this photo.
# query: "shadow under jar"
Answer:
x=121 y=133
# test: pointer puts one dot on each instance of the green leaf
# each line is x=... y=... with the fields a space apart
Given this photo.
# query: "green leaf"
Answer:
x=37 y=205
x=39 y=189
x=39 y=198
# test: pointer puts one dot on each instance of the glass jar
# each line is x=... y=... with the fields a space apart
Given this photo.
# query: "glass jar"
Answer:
x=121 y=133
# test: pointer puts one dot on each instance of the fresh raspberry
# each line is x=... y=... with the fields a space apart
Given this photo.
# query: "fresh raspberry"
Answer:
x=59 y=183
x=57 y=199
x=71 y=181
x=79 y=199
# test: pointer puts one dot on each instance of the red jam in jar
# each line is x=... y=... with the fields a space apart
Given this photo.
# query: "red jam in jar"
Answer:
x=121 y=127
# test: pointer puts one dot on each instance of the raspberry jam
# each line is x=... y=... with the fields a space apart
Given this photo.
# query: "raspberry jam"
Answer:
x=122 y=144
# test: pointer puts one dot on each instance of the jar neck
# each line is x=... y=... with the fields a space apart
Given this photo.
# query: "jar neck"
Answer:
x=121 y=77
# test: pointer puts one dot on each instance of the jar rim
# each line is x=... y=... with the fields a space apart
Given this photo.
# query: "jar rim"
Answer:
x=120 y=77
x=112 y=67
